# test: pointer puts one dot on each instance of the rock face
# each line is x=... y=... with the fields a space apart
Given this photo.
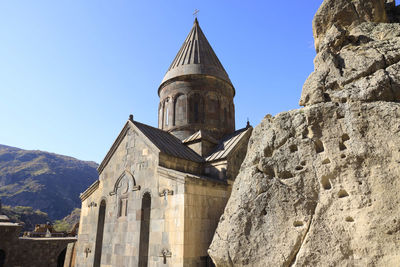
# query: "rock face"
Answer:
x=357 y=62
x=319 y=185
x=357 y=65
x=346 y=14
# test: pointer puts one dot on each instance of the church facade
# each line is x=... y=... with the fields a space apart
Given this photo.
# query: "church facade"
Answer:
x=161 y=191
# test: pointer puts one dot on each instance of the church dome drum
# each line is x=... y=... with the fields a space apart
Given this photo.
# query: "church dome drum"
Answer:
x=196 y=92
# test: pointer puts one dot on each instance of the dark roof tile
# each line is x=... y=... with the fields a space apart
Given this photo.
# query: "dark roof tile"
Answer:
x=227 y=144
x=167 y=143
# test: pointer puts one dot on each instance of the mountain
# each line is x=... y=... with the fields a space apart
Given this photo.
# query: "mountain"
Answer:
x=68 y=222
x=44 y=181
x=26 y=216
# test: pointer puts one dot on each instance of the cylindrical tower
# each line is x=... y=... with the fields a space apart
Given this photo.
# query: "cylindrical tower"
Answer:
x=196 y=92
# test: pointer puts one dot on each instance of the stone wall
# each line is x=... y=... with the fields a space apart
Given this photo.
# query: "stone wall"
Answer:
x=197 y=102
x=32 y=252
x=180 y=164
x=204 y=205
x=154 y=209
x=70 y=255
x=136 y=159
x=128 y=175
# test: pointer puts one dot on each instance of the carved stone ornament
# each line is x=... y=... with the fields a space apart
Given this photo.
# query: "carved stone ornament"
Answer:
x=166 y=192
x=92 y=204
x=125 y=183
x=87 y=251
x=165 y=253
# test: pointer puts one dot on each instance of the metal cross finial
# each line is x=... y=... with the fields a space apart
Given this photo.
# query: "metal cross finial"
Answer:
x=196 y=11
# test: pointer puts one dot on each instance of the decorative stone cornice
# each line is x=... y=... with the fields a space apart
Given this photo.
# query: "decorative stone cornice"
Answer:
x=182 y=177
x=130 y=175
x=113 y=148
x=83 y=196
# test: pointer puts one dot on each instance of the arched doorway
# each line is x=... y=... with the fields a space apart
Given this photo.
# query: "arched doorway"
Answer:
x=2 y=258
x=99 y=235
x=145 y=230
x=61 y=258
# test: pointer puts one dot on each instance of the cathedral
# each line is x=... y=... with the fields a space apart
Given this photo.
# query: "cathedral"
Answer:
x=161 y=191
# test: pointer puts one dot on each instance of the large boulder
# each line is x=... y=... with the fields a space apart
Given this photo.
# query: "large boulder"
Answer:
x=346 y=14
x=319 y=187
x=358 y=52
x=357 y=65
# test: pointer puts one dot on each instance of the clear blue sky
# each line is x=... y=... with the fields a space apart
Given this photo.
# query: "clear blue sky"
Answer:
x=71 y=72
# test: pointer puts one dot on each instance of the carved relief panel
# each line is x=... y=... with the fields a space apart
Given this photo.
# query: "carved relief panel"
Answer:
x=125 y=183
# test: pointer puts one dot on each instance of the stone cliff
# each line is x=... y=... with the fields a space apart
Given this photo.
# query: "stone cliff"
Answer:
x=319 y=185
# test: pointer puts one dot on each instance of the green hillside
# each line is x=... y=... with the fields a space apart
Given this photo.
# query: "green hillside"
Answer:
x=26 y=216
x=68 y=222
x=44 y=181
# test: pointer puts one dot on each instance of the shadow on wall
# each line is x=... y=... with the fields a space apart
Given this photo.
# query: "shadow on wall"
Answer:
x=2 y=257
x=60 y=258
x=99 y=235
x=144 y=230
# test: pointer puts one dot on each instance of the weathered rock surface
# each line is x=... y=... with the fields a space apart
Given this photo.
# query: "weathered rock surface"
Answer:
x=347 y=13
x=360 y=65
x=357 y=62
x=319 y=185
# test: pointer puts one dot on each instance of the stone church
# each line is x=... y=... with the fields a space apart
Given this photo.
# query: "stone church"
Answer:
x=161 y=191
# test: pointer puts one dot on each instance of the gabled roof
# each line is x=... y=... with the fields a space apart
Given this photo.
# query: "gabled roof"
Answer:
x=196 y=56
x=228 y=144
x=200 y=134
x=167 y=143
x=113 y=148
x=164 y=141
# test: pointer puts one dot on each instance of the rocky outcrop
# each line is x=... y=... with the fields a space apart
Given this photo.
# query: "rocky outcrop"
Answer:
x=347 y=14
x=319 y=185
x=357 y=62
x=360 y=65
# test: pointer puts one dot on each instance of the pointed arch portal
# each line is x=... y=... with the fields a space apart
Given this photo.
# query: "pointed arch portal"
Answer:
x=2 y=258
x=145 y=230
x=61 y=258
x=99 y=235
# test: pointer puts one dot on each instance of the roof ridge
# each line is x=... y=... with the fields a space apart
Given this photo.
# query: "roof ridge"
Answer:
x=167 y=142
x=228 y=143
x=196 y=56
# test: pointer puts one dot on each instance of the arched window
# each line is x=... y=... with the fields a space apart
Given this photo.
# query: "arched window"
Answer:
x=212 y=103
x=225 y=115
x=99 y=234
x=123 y=207
x=160 y=116
x=145 y=230
x=122 y=188
x=166 y=111
x=180 y=110
x=196 y=104
x=2 y=258
x=196 y=111
x=166 y=116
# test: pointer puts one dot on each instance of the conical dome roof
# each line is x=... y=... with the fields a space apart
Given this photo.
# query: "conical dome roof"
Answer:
x=196 y=57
